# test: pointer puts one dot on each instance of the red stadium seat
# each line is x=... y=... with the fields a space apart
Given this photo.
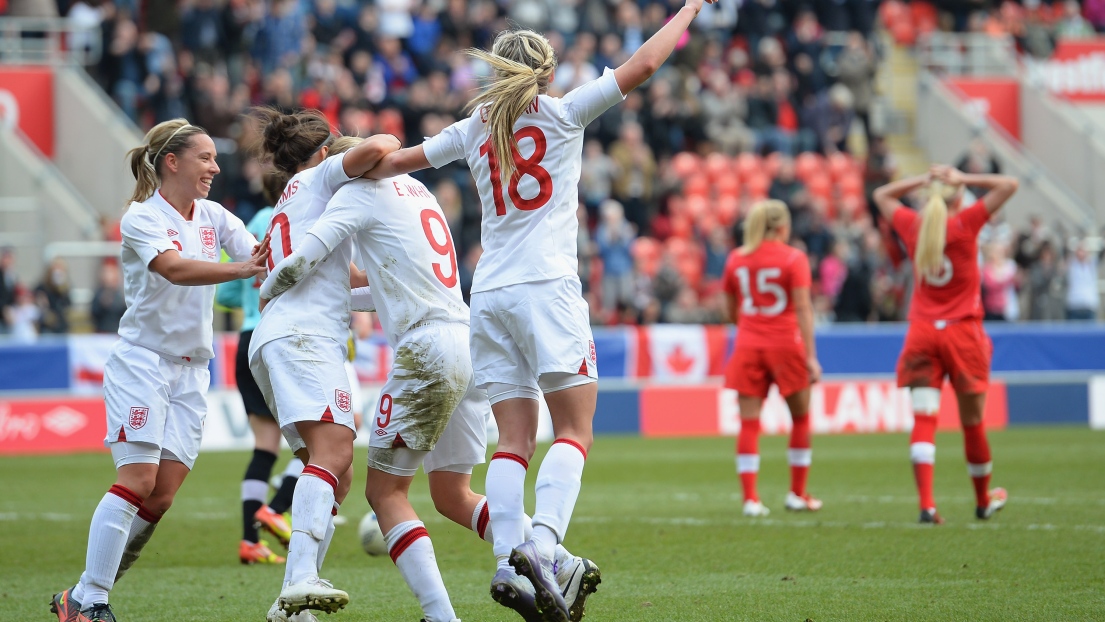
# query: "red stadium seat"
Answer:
x=728 y=186
x=696 y=185
x=850 y=184
x=840 y=164
x=686 y=164
x=718 y=166
x=728 y=210
x=748 y=165
x=757 y=186
x=820 y=185
x=696 y=206
x=891 y=10
x=772 y=164
x=808 y=164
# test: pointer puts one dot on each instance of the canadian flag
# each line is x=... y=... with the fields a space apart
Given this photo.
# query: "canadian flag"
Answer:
x=680 y=352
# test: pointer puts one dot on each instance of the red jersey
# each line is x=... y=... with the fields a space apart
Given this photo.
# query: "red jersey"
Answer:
x=956 y=293
x=762 y=282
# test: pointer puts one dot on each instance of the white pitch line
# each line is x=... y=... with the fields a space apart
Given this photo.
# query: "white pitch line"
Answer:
x=682 y=521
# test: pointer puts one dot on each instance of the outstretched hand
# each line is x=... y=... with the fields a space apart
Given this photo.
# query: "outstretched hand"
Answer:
x=696 y=5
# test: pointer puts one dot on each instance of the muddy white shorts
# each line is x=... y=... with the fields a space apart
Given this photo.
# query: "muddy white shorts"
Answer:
x=155 y=399
x=520 y=332
x=431 y=375
x=303 y=378
x=463 y=444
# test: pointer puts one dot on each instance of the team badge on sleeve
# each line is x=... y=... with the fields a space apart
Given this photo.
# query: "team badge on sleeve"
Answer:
x=138 y=415
x=343 y=400
x=208 y=238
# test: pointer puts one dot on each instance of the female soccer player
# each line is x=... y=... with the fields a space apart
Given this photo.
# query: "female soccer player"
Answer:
x=297 y=352
x=256 y=513
x=945 y=337
x=156 y=378
x=768 y=285
x=530 y=328
x=429 y=413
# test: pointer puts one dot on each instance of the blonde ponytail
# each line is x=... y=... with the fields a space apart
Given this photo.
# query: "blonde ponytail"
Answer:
x=929 y=258
x=764 y=217
x=523 y=63
x=164 y=138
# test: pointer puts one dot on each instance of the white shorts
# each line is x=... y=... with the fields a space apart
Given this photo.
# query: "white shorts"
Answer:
x=155 y=400
x=354 y=387
x=520 y=332
x=303 y=379
x=429 y=404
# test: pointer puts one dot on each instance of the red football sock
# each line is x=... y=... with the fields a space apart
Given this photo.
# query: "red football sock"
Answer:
x=748 y=457
x=978 y=461
x=922 y=450
x=799 y=454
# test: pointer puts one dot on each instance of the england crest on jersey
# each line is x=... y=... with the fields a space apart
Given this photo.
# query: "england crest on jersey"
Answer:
x=208 y=239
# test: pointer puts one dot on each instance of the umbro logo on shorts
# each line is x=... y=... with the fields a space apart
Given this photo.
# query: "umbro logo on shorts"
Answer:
x=343 y=400
x=138 y=416
x=380 y=432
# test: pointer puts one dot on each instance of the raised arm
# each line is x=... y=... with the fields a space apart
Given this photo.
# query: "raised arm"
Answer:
x=803 y=308
x=649 y=57
x=180 y=271
x=366 y=155
x=888 y=197
x=999 y=188
x=400 y=162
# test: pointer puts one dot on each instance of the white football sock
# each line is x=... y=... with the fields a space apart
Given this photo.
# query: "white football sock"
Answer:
x=141 y=530
x=506 y=480
x=324 y=546
x=410 y=548
x=107 y=537
x=558 y=483
x=311 y=506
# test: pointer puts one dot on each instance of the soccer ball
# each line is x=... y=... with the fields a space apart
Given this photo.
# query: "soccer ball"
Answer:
x=372 y=539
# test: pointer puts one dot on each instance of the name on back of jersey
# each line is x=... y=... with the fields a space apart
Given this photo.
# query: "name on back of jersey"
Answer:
x=412 y=190
x=289 y=192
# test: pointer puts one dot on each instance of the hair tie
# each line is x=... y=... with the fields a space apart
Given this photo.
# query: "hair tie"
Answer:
x=169 y=140
x=327 y=141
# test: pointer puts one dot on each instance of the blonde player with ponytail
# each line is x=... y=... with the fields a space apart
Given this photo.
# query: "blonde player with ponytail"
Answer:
x=945 y=337
x=156 y=378
x=768 y=287
x=530 y=327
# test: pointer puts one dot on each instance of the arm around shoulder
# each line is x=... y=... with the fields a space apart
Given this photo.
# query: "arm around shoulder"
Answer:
x=400 y=162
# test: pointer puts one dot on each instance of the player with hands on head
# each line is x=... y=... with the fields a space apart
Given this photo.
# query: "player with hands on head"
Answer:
x=156 y=377
x=530 y=323
x=946 y=337
x=767 y=283
x=298 y=350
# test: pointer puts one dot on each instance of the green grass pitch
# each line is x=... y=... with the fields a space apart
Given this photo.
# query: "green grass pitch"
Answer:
x=662 y=520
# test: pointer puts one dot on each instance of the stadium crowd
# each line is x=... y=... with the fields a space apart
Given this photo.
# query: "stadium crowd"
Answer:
x=770 y=101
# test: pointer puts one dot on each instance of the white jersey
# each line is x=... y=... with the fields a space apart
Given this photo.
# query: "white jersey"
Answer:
x=319 y=304
x=404 y=243
x=175 y=320
x=529 y=224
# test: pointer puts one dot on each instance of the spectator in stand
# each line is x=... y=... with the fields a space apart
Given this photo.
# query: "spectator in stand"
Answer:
x=280 y=36
x=23 y=316
x=829 y=116
x=1045 y=286
x=52 y=298
x=636 y=174
x=1083 y=297
x=8 y=283
x=1073 y=25
x=833 y=270
x=201 y=30
x=585 y=249
x=723 y=110
x=978 y=161
x=614 y=236
x=108 y=303
x=999 y=281
x=124 y=65
x=853 y=300
x=1095 y=14
x=718 y=246
x=856 y=70
x=596 y=179
x=786 y=186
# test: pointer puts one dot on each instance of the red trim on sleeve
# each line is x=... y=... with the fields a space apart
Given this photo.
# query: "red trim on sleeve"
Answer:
x=503 y=455
x=322 y=474
x=568 y=441
x=126 y=494
x=405 y=542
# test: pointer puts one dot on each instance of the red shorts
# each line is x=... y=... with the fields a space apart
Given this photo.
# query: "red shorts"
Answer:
x=960 y=350
x=752 y=370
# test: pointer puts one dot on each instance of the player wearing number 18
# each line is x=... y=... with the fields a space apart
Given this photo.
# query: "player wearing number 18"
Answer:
x=945 y=337
x=530 y=324
x=768 y=287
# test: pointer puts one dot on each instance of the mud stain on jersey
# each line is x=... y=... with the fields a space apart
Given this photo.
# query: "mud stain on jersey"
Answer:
x=289 y=275
x=428 y=407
